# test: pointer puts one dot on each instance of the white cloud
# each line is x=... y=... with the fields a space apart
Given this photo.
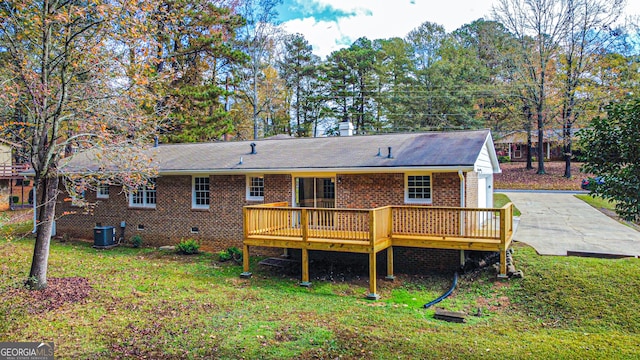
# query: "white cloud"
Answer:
x=382 y=19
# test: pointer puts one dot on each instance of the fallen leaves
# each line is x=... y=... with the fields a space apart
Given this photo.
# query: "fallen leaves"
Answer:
x=516 y=176
x=59 y=291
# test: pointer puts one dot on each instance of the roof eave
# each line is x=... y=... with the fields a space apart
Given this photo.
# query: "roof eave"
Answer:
x=355 y=170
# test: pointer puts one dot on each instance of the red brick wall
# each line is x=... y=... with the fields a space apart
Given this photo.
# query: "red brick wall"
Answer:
x=374 y=190
x=219 y=227
x=369 y=190
x=446 y=189
x=278 y=187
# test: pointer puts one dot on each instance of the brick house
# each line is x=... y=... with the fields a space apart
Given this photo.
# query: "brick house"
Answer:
x=201 y=188
x=514 y=144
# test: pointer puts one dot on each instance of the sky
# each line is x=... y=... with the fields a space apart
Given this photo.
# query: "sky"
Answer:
x=329 y=25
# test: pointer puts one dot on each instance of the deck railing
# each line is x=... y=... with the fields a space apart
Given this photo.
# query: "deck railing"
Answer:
x=371 y=231
x=314 y=224
x=478 y=223
x=12 y=171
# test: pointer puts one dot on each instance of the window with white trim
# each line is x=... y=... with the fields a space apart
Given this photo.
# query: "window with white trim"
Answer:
x=255 y=188
x=417 y=189
x=145 y=196
x=200 y=193
x=103 y=191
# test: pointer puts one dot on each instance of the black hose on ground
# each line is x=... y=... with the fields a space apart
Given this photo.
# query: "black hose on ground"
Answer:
x=445 y=295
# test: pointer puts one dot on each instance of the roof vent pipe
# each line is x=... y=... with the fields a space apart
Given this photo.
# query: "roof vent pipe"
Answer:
x=379 y=154
x=253 y=148
x=390 y=156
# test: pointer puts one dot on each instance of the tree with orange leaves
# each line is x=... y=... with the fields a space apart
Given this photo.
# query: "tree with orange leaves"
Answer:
x=68 y=85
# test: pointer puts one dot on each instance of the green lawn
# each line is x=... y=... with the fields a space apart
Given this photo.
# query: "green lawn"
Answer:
x=500 y=200
x=144 y=303
x=597 y=202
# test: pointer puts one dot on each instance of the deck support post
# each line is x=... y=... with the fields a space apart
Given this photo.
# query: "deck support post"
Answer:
x=503 y=243
x=245 y=262
x=503 y=264
x=372 y=277
x=390 y=276
x=305 y=268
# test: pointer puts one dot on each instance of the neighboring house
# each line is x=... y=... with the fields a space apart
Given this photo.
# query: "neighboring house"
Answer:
x=6 y=153
x=514 y=144
x=13 y=186
x=201 y=188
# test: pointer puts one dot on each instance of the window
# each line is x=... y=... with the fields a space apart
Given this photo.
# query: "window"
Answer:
x=144 y=196
x=418 y=189
x=255 y=188
x=200 y=197
x=103 y=192
x=328 y=189
x=517 y=152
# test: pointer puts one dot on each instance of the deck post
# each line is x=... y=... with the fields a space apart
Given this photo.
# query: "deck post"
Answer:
x=503 y=244
x=245 y=248
x=390 y=276
x=245 y=262
x=305 y=268
x=372 y=277
x=305 y=253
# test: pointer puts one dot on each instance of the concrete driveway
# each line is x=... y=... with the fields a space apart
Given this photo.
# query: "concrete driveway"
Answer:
x=557 y=223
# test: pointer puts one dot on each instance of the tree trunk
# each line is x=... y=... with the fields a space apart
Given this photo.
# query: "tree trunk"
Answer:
x=529 y=150
x=38 y=275
x=540 y=137
x=540 y=150
x=529 y=143
x=567 y=150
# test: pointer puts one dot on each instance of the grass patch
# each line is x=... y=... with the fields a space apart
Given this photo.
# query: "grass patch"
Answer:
x=144 y=303
x=597 y=202
x=500 y=200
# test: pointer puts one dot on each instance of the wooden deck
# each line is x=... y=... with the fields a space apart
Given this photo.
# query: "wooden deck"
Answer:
x=370 y=231
x=13 y=171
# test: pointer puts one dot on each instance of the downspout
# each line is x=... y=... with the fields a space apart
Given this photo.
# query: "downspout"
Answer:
x=462 y=204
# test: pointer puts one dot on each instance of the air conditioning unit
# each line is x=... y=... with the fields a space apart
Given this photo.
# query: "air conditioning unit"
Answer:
x=104 y=236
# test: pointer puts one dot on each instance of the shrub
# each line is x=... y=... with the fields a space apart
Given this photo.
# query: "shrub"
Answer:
x=234 y=251
x=504 y=159
x=136 y=241
x=224 y=256
x=231 y=253
x=188 y=247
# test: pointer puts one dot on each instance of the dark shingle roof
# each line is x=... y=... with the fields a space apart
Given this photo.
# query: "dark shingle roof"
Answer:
x=414 y=149
x=431 y=149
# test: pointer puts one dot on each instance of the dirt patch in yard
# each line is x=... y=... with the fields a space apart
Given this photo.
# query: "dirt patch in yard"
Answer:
x=515 y=176
x=59 y=292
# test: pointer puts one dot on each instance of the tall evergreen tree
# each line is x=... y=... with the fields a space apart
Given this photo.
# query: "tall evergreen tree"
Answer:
x=192 y=40
x=296 y=68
